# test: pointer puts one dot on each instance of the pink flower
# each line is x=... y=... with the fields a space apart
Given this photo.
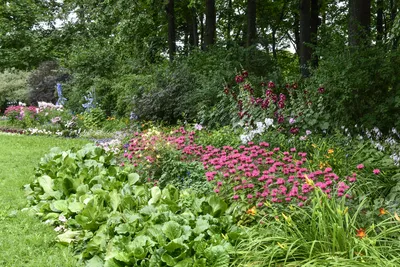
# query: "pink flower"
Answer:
x=360 y=166
x=249 y=196
x=376 y=171
x=235 y=197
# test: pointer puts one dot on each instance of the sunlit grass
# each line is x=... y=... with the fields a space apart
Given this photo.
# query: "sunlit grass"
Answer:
x=24 y=240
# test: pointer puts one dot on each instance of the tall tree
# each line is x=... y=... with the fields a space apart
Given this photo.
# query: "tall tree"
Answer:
x=379 y=20
x=305 y=37
x=210 y=31
x=171 y=29
x=251 y=22
x=314 y=23
x=359 y=22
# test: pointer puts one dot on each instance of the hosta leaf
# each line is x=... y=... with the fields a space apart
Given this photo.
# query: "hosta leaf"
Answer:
x=200 y=263
x=168 y=259
x=68 y=237
x=96 y=261
x=217 y=204
x=201 y=226
x=155 y=195
x=133 y=178
x=172 y=230
x=115 y=199
x=75 y=206
x=217 y=256
x=59 y=206
x=68 y=186
x=185 y=263
x=47 y=184
x=176 y=244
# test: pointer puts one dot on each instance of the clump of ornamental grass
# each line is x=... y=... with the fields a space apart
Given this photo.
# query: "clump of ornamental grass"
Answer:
x=323 y=233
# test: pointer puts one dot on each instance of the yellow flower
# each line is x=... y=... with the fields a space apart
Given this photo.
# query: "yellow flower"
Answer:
x=314 y=145
x=252 y=211
x=330 y=151
x=308 y=180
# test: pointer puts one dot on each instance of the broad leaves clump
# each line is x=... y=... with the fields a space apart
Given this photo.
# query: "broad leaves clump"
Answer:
x=111 y=218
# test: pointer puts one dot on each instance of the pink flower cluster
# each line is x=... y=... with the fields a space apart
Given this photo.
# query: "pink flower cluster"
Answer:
x=19 y=112
x=254 y=172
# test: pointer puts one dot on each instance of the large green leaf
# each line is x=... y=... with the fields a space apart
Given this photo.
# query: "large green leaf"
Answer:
x=155 y=195
x=59 y=206
x=172 y=230
x=68 y=237
x=47 y=184
x=96 y=261
x=217 y=204
x=201 y=226
x=75 y=206
x=115 y=199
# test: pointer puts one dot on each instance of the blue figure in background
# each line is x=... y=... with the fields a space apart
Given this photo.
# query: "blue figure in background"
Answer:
x=61 y=100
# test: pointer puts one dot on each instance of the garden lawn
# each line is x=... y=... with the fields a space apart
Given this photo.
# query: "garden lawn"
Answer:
x=24 y=240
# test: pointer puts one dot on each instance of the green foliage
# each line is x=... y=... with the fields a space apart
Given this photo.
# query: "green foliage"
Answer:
x=94 y=118
x=13 y=86
x=217 y=138
x=112 y=218
x=326 y=232
x=357 y=80
x=42 y=82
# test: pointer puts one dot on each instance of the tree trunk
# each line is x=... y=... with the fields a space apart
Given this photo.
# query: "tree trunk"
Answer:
x=171 y=29
x=229 y=22
x=202 y=31
x=251 y=22
x=194 y=31
x=305 y=37
x=191 y=22
x=209 y=38
x=296 y=30
x=359 y=22
x=314 y=23
x=379 y=21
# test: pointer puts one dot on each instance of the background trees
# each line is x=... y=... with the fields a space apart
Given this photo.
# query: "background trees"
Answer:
x=121 y=49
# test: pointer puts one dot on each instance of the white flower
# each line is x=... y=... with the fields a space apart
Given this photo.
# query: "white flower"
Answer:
x=62 y=218
x=269 y=122
x=198 y=127
x=260 y=125
x=308 y=132
x=291 y=120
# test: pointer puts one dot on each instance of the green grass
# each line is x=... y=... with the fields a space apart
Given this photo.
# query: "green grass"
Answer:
x=24 y=240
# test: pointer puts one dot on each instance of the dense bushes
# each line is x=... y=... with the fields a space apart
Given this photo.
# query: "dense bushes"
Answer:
x=13 y=87
x=361 y=86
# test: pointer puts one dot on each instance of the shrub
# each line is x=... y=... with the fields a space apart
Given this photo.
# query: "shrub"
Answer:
x=13 y=87
x=42 y=82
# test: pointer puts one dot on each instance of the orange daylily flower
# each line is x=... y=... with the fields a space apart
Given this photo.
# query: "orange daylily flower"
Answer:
x=361 y=233
x=382 y=211
x=252 y=211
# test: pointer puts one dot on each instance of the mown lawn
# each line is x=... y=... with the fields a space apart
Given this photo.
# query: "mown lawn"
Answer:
x=24 y=240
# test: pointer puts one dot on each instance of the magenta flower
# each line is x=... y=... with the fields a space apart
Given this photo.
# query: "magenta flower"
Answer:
x=360 y=166
x=249 y=196
x=376 y=171
x=235 y=197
